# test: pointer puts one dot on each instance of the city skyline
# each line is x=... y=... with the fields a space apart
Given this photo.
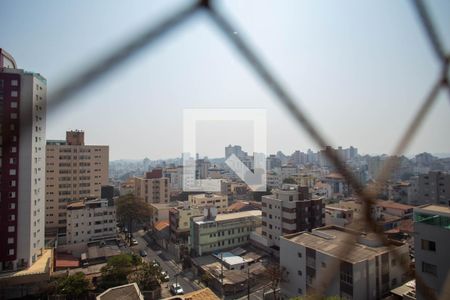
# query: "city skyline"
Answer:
x=334 y=71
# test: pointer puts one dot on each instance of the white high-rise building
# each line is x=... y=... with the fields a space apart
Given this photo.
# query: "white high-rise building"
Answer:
x=23 y=97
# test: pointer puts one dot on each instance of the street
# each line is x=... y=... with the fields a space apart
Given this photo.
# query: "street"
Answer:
x=173 y=269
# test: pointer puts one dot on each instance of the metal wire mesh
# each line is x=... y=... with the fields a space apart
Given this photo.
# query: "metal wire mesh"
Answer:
x=152 y=35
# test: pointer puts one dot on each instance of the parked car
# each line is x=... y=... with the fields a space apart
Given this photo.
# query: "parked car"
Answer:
x=143 y=253
x=155 y=263
x=164 y=276
x=176 y=289
x=134 y=242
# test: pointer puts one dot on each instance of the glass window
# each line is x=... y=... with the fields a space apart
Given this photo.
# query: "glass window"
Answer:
x=428 y=245
x=429 y=268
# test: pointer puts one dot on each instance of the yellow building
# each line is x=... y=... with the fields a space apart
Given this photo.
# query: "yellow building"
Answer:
x=73 y=171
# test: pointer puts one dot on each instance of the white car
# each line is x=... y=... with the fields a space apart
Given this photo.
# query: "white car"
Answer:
x=164 y=276
x=176 y=289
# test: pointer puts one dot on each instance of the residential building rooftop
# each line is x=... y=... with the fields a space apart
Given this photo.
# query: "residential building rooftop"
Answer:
x=331 y=240
x=128 y=291
x=231 y=216
x=435 y=208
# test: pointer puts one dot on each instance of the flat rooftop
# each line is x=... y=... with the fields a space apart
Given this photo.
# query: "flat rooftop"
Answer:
x=435 y=208
x=331 y=240
x=230 y=259
x=231 y=216
x=41 y=266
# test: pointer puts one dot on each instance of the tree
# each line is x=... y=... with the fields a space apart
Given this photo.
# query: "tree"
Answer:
x=289 y=180
x=148 y=277
x=275 y=275
x=75 y=285
x=132 y=210
x=116 y=270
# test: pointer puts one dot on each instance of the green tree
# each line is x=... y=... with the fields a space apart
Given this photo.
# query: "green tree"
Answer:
x=116 y=270
x=148 y=277
x=75 y=285
x=289 y=180
x=132 y=210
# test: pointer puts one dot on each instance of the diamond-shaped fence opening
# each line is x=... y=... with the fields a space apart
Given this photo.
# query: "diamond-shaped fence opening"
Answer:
x=153 y=34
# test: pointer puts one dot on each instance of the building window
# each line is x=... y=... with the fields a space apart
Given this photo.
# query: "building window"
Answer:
x=11 y=229
x=14 y=82
x=428 y=245
x=14 y=94
x=11 y=252
x=13 y=104
x=347 y=277
x=10 y=240
x=300 y=291
x=299 y=254
x=394 y=282
x=299 y=273
x=429 y=268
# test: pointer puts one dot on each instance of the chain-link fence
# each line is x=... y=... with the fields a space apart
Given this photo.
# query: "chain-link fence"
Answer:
x=285 y=99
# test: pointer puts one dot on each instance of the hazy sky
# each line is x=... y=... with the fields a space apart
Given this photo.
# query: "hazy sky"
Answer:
x=360 y=69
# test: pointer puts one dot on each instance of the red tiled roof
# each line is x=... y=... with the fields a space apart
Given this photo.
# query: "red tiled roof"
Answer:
x=65 y=260
x=161 y=225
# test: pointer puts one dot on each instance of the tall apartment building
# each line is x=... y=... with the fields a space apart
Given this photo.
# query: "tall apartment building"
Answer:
x=74 y=171
x=430 y=188
x=23 y=97
x=289 y=210
x=175 y=175
x=219 y=201
x=153 y=187
x=368 y=271
x=90 y=220
x=236 y=150
x=215 y=232
x=431 y=246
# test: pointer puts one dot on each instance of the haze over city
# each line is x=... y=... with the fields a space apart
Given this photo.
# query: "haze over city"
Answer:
x=235 y=150
x=359 y=69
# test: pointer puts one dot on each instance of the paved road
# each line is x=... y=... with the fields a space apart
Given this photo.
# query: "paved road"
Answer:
x=154 y=253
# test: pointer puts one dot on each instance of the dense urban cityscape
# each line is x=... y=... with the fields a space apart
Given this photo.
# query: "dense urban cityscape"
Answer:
x=77 y=222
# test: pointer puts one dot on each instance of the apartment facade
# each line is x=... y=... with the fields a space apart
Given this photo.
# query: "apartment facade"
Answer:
x=180 y=220
x=289 y=210
x=23 y=97
x=153 y=187
x=219 y=201
x=90 y=220
x=432 y=233
x=215 y=232
x=368 y=271
x=74 y=171
x=430 y=188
